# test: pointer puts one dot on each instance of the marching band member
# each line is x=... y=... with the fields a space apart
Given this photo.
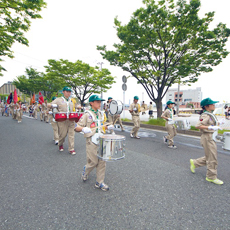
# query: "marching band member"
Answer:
x=87 y=121
x=3 y=108
x=143 y=108
x=110 y=117
x=54 y=126
x=168 y=116
x=208 y=124
x=134 y=109
x=41 y=114
x=64 y=104
x=151 y=110
x=45 y=110
x=35 y=112
x=19 y=111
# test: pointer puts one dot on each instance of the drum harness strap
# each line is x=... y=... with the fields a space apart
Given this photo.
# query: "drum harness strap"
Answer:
x=213 y=116
x=215 y=134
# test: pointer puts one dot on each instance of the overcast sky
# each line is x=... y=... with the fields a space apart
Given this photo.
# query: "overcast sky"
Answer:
x=72 y=29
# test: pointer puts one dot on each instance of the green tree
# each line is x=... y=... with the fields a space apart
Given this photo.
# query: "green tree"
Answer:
x=81 y=77
x=164 y=43
x=16 y=16
x=34 y=81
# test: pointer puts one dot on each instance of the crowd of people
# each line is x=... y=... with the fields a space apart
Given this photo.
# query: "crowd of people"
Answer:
x=88 y=124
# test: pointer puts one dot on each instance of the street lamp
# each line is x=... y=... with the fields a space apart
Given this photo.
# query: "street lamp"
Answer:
x=100 y=63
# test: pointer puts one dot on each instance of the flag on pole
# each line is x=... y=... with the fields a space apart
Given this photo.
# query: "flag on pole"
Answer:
x=15 y=96
x=40 y=98
x=10 y=98
x=32 y=99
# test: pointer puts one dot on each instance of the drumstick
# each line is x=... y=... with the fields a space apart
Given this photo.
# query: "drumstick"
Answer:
x=110 y=123
x=92 y=129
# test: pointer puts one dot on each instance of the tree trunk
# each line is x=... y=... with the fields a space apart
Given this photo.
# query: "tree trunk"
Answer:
x=159 y=107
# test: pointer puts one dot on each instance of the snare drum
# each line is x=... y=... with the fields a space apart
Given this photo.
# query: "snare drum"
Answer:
x=60 y=117
x=226 y=139
x=75 y=116
x=111 y=147
x=115 y=107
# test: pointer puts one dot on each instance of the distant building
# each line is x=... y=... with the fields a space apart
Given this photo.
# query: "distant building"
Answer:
x=8 y=88
x=191 y=96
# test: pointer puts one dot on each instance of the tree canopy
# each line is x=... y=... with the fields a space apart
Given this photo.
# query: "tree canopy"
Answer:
x=34 y=81
x=16 y=16
x=81 y=77
x=166 y=42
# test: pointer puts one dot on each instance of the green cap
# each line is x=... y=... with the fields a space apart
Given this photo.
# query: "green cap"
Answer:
x=110 y=98
x=136 y=97
x=170 y=102
x=53 y=98
x=66 y=88
x=95 y=98
x=207 y=101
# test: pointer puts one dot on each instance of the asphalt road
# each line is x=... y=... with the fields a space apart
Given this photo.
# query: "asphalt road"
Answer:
x=152 y=188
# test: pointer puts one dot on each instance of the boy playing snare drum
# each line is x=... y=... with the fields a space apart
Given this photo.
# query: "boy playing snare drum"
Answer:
x=87 y=122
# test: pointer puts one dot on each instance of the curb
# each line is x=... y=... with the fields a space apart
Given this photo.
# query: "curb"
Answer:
x=156 y=127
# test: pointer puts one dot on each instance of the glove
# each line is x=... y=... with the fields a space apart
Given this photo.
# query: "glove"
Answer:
x=214 y=127
x=50 y=112
x=54 y=105
x=222 y=121
x=110 y=127
x=86 y=130
x=135 y=109
x=169 y=119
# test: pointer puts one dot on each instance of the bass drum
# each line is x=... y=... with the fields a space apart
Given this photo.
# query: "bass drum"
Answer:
x=115 y=107
x=111 y=147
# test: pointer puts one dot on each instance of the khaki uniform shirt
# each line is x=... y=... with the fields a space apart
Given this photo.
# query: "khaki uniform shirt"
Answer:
x=136 y=111
x=151 y=107
x=44 y=108
x=88 y=120
x=167 y=113
x=206 y=120
x=62 y=104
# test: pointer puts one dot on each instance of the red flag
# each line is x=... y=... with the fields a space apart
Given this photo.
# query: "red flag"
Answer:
x=40 y=99
x=15 y=96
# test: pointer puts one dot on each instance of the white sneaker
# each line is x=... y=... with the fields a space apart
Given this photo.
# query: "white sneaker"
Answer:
x=137 y=137
x=56 y=142
x=172 y=146
x=131 y=135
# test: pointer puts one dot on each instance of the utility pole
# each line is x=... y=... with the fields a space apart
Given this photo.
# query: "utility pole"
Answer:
x=101 y=63
x=178 y=99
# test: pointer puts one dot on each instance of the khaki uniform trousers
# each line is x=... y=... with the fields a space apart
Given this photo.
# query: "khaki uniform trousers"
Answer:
x=210 y=158
x=35 y=114
x=19 y=115
x=64 y=128
x=41 y=116
x=45 y=117
x=94 y=162
x=50 y=118
x=117 y=118
x=171 y=129
x=55 y=129
x=110 y=119
x=136 y=122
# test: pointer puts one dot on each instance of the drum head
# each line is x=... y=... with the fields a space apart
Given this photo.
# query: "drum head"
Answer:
x=113 y=106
